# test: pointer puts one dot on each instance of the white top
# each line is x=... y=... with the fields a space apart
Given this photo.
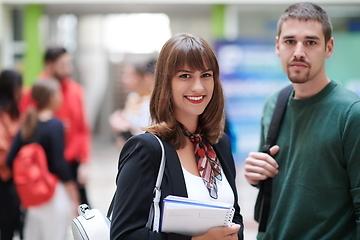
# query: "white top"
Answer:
x=137 y=112
x=197 y=190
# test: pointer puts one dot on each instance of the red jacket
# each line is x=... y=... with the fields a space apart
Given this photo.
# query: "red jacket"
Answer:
x=72 y=114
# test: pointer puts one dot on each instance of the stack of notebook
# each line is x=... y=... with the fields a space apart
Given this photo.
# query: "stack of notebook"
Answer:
x=193 y=218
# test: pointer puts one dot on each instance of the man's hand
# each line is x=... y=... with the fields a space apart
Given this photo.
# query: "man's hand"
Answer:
x=260 y=166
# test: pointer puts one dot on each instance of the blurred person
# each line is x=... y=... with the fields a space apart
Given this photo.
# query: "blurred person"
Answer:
x=50 y=220
x=187 y=113
x=315 y=165
x=10 y=93
x=138 y=80
x=71 y=112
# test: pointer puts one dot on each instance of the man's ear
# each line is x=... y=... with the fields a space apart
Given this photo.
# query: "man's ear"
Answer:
x=329 y=48
x=277 y=46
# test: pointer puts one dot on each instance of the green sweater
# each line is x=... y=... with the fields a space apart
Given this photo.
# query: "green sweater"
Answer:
x=316 y=194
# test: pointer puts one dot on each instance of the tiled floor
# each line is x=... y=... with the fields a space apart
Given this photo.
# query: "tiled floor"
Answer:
x=103 y=171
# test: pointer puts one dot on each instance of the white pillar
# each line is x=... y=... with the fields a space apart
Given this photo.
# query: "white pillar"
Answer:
x=93 y=67
x=6 y=43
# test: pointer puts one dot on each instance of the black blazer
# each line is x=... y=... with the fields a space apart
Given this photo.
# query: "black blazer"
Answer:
x=138 y=169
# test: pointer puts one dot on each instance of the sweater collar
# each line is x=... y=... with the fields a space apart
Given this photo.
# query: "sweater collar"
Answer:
x=299 y=103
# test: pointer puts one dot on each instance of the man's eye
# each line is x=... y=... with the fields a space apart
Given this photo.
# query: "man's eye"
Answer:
x=289 y=41
x=311 y=43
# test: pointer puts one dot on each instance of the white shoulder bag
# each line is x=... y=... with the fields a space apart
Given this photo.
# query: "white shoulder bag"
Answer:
x=91 y=224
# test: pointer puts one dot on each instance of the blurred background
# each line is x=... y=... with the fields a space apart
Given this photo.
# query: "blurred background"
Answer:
x=103 y=35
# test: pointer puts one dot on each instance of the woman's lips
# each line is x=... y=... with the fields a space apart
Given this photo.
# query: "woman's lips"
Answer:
x=195 y=99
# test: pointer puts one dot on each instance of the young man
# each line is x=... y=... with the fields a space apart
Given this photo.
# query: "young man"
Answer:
x=315 y=164
x=58 y=65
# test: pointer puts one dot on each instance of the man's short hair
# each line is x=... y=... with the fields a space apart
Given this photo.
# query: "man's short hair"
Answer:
x=307 y=11
x=52 y=54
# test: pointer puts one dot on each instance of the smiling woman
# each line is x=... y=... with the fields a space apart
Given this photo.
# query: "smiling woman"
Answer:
x=187 y=113
x=183 y=56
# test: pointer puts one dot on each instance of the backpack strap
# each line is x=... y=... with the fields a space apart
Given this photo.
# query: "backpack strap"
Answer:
x=262 y=206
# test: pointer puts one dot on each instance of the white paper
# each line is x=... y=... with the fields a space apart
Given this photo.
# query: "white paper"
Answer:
x=194 y=218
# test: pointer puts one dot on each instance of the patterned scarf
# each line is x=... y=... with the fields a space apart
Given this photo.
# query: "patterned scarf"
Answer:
x=206 y=159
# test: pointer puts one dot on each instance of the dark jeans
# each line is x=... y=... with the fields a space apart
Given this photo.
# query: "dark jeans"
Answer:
x=11 y=218
x=82 y=192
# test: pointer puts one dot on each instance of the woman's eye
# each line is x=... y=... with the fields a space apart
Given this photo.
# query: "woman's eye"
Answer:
x=184 y=76
x=206 y=75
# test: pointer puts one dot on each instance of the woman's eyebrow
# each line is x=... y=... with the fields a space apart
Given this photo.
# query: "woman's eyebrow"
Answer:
x=187 y=71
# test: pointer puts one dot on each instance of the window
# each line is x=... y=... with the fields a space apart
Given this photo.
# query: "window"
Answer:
x=140 y=33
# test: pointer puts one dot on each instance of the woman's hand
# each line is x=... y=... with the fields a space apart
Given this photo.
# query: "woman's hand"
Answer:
x=218 y=233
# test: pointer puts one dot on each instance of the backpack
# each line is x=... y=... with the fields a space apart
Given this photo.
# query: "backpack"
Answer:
x=262 y=205
x=34 y=182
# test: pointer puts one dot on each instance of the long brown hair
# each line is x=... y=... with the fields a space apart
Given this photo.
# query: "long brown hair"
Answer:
x=198 y=55
x=40 y=93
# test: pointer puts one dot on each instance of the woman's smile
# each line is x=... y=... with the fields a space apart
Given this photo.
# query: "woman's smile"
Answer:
x=195 y=99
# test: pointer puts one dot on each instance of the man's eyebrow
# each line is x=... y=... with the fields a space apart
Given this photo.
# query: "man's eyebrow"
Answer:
x=287 y=37
x=312 y=37
x=307 y=37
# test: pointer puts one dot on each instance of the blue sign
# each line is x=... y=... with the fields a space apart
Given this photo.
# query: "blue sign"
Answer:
x=250 y=72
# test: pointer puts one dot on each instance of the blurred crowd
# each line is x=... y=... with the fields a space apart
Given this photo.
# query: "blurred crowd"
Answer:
x=51 y=113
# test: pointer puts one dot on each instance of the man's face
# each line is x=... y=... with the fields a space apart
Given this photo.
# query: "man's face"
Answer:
x=302 y=49
x=62 y=67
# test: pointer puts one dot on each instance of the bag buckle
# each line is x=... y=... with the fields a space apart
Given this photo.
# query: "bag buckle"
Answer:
x=84 y=210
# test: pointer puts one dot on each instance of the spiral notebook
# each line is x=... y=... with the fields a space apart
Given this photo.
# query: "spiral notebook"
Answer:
x=193 y=218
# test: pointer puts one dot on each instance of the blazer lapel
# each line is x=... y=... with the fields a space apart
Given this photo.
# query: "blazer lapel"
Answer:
x=225 y=166
x=173 y=171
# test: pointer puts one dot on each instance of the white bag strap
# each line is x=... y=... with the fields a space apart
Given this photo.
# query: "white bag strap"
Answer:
x=154 y=214
x=157 y=189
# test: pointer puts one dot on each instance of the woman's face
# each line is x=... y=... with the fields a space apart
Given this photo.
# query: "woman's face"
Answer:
x=192 y=91
x=131 y=79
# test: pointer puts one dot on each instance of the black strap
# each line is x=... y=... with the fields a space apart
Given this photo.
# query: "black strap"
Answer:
x=262 y=206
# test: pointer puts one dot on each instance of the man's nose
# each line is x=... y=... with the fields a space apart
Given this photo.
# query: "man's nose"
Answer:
x=299 y=51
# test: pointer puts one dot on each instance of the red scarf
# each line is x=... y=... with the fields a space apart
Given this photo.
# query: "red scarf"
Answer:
x=206 y=159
